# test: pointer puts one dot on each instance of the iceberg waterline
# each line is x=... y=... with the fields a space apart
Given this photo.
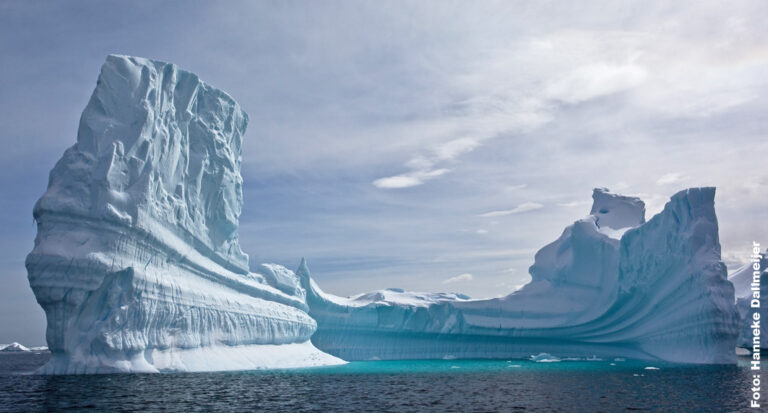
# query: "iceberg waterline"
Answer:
x=138 y=267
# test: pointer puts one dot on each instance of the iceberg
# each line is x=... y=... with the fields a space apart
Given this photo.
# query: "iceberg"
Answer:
x=544 y=358
x=612 y=285
x=742 y=279
x=14 y=348
x=138 y=266
x=137 y=262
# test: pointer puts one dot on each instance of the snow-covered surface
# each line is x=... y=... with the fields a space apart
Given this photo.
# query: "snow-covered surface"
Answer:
x=611 y=285
x=742 y=280
x=742 y=277
x=284 y=279
x=17 y=347
x=544 y=358
x=616 y=214
x=743 y=352
x=137 y=261
x=13 y=347
x=397 y=296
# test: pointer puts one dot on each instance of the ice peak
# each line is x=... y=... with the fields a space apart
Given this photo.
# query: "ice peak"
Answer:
x=302 y=272
x=616 y=211
x=158 y=150
x=137 y=261
x=700 y=200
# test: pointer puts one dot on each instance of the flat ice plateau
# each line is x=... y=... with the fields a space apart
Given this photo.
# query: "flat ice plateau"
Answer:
x=137 y=261
x=612 y=285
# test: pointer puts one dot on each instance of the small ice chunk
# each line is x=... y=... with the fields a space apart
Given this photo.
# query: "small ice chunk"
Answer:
x=544 y=358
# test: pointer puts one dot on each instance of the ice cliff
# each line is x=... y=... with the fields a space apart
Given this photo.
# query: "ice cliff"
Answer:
x=611 y=285
x=743 y=279
x=137 y=262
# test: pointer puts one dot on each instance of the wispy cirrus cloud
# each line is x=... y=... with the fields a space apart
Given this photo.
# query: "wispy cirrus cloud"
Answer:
x=595 y=80
x=409 y=179
x=524 y=207
x=571 y=204
x=423 y=165
x=671 y=178
x=459 y=278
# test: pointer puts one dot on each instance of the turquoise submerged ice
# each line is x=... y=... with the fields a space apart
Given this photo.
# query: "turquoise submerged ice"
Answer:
x=137 y=262
x=612 y=285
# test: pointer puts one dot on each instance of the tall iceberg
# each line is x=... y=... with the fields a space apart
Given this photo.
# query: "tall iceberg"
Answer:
x=137 y=261
x=611 y=285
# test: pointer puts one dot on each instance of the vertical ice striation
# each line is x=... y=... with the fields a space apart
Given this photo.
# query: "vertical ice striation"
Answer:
x=611 y=285
x=137 y=262
x=157 y=150
x=748 y=288
x=674 y=298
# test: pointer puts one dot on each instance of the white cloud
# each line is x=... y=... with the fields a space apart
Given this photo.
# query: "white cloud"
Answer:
x=409 y=179
x=515 y=187
x=482 y=98
x=595 y=80
x=670 y=178
x=398 y=181
x=481 y=231
x=423 y=166
x=572 y=204
x=620 y=186
x=524 y=254
x=459 y=278
x=524 y=207
x=454 y=148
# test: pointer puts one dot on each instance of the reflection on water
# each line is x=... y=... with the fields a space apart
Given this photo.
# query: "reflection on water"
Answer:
x=440 y=385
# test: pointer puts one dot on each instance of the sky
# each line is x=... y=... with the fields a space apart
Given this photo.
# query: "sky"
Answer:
x=425 y=145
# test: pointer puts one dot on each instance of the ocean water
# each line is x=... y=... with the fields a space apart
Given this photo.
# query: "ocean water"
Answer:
x=407 y=386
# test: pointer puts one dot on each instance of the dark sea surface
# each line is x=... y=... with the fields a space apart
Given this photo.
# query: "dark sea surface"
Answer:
x=408 y=386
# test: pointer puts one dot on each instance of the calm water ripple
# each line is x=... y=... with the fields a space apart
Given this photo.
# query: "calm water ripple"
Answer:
x=401 y=386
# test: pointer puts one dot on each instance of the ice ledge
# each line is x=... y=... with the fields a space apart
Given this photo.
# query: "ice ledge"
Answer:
x=200 y=359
